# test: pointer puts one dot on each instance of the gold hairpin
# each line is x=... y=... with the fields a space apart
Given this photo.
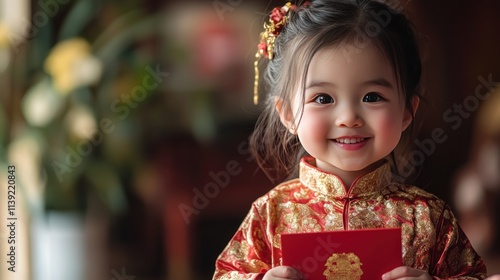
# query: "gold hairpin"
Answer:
x=265 y=48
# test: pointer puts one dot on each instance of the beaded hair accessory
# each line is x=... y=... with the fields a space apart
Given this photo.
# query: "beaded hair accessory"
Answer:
x=265 y=48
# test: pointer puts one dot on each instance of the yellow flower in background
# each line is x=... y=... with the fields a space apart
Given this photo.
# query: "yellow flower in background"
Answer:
x=80 y=122
x=4 y=36
x=71 y=64
x=41 y=104
x=4 y=47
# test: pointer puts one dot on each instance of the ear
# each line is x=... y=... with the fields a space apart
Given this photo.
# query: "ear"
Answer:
x=285 y=117
x=408 y=115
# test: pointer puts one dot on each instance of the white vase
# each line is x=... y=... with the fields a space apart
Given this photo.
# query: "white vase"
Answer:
x=58 y=246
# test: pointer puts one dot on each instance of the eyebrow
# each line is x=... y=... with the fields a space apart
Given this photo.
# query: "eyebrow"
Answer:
x=313 y=84
x=379 y=82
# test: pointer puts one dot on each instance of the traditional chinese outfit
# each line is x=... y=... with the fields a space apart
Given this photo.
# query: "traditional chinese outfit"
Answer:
x=318 y=201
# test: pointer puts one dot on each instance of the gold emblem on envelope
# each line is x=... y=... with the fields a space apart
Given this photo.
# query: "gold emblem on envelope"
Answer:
x=344 y=266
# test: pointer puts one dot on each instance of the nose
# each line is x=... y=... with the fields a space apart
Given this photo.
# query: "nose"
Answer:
x=348 y=116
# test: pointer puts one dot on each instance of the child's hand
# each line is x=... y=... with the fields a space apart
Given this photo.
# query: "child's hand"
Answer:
x=406 y=273
x=282 y=273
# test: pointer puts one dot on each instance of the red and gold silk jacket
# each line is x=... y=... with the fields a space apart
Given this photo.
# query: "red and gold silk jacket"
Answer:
x=318 y=201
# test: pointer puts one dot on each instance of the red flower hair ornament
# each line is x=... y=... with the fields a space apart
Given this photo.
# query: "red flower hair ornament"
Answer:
x=265 y=48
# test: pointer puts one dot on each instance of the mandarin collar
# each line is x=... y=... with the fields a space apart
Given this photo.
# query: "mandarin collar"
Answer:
x=331 y=185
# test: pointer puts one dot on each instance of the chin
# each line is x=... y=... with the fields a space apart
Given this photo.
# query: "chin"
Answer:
x=354 y=168
x=357 y=167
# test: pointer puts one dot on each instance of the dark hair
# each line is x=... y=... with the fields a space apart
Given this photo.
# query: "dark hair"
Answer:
x=324 y=23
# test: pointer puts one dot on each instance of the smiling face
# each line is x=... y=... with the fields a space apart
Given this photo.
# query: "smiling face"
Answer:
x=353 y=113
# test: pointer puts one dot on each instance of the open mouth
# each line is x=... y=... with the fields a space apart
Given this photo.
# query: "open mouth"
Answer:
x=350 y=140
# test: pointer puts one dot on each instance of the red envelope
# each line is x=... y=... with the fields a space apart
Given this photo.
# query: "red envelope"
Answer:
x=343 y=255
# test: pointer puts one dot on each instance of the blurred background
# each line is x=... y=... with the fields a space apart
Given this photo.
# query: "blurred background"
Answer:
x=127 y=124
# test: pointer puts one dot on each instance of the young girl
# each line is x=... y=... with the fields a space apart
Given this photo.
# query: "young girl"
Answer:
x=342 y=80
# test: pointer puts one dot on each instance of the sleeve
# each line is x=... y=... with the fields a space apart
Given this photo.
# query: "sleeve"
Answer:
x=453 y=256
x=248 y=254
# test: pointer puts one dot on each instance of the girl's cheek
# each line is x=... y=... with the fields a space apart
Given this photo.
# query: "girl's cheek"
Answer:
x=314 y=122
x=389 y=125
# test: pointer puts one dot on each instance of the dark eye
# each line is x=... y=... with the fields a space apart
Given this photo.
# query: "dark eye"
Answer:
x=323 y=99
x=372 y=97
